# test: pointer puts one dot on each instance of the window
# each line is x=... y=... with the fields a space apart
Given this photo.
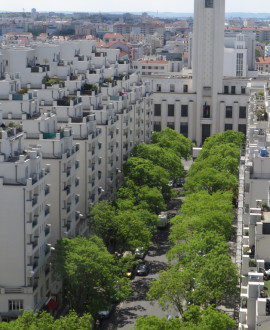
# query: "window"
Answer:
x=170 y=110
x=184 y=110
x=184 y=129
x=15 y=305
x=228 y=127
x=158 y=88
x=243 y=90
x=242 y=128
x=157 y=126
x=239 y=65
x=143 y=67
x=172 y=88
x=226 y=89
x=228 y=112
x=157 y=110
x=185 y=88
x=209 y=3
x=242 y=112
x=232 y=89
x=206 y=111
x=170 y=125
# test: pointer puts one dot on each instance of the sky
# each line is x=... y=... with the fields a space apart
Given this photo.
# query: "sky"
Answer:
x=184 y=6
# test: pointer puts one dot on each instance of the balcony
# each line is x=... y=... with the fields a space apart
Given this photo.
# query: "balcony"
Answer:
x=67 y=190
x=34 y=200
x=47 y=250
x=47 y=189
x=47 y=210
x=47 y=269
x=35 y=264
x=47 y=230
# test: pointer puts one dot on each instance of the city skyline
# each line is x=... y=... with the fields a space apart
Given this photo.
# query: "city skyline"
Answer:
x=181 y=6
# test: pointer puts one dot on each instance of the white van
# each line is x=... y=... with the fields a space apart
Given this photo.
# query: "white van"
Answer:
x=162 y=220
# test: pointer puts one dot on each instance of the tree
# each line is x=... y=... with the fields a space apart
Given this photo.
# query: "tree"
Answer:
x=44 y=321
x=216 y=279
x=211 y=180
x=170 y=139
x=122 y=226
x=132 y=231
x=103 y=222
x=202 y=212
x=144 y=172
x=237 y=138
x=155 y=323
x=89 y=273
x=193 y=319
x=162 y=157
x=171 y=289
x=149 y=198
x=223 y=158
x=206 y=319
x=197 y=244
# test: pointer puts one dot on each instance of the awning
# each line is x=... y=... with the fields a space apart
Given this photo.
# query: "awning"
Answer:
x=52 y=304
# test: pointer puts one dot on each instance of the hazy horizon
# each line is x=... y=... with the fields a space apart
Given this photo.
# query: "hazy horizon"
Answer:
x=177 y=6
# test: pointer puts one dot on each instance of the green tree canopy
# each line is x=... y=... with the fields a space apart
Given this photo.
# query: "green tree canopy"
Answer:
x=171 y=289
x=193 y=319
x=162 y=157
x=216 y=279
x=144 y=172
x=123 y=228
x=149 y=198
x=197 y=244
x=237 y=138
x=170 y=139
x=44 y=321
x=89 y=273
x=222 y=158
x=211 y=180
x=202 y=212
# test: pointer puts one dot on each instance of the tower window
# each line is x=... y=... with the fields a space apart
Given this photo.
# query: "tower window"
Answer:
x=209 y=3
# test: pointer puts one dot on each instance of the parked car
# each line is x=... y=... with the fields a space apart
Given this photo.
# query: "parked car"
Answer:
x=142 y=269
x=170 y=183
x=105 y=314
x=140 y=253
x=179 y=182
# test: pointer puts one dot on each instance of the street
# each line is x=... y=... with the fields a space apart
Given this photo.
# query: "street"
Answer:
x=125 y=314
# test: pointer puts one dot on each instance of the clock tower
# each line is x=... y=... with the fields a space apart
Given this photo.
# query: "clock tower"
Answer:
x=207 y=63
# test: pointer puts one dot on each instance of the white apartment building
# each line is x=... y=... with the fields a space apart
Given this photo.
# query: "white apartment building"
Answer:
x=25 y=232
x=254 y=220
x=58 y=149
x=85 y=136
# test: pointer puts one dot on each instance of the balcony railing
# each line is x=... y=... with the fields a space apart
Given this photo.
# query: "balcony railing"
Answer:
x=35 y=264
x=47 y=189
x=47 y=210
x=47 y=250
x=47 y=230
x=47 y=270
x=34 y=223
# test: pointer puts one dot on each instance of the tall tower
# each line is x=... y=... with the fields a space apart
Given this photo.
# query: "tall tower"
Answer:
x=207 y=63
